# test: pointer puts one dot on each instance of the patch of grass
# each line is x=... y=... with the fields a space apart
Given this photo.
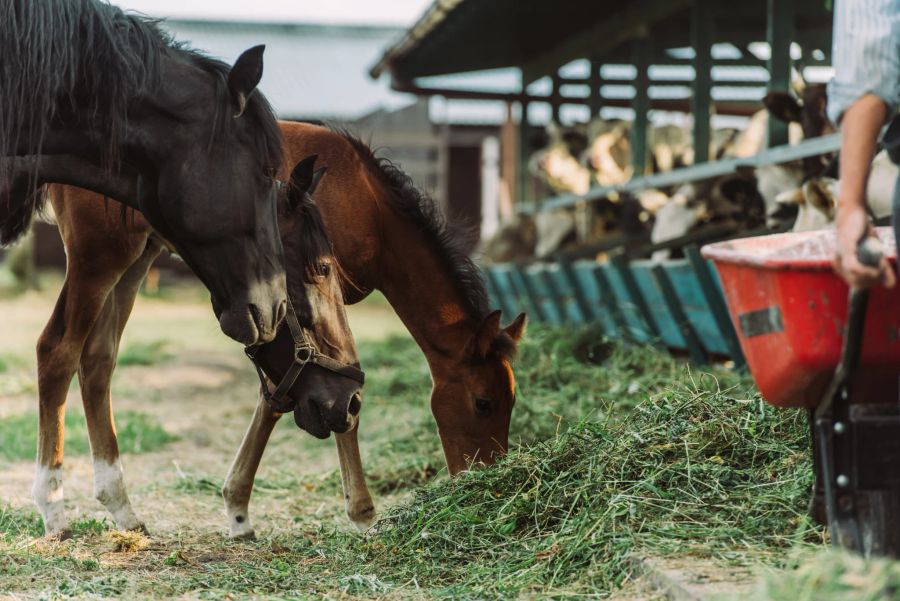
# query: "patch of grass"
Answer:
x=136 y=433
x=85 y=526
x=17 y=523
x=832 y=576
x=144 y=353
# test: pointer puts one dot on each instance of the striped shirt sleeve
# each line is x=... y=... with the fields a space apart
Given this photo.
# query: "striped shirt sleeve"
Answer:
x=865 y=54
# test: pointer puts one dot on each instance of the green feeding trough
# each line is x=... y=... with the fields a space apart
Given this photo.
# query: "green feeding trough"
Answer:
x=677 y=303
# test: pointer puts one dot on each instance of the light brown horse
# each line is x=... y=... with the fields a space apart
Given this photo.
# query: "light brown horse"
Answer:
x=388 y=236
x=103 y=275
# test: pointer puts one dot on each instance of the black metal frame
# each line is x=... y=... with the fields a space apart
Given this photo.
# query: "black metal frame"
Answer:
x=858 y=448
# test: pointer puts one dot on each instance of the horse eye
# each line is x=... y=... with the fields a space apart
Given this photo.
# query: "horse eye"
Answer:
x=323 y=269
x=482 y=406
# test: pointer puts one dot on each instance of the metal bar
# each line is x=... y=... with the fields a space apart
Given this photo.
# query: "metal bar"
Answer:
x=584 y=307
x=608 y=297
x=502 y=300
x=781 y=154
x=556 y=296
x=620 y=263
x=779 y=33
x=716 y=303
x=701 y=40
x=556 y=103
x=744 y=108
x=695 y=347
x=641 y=105
x=595 y=81
x=526 y=192
x=520 y=282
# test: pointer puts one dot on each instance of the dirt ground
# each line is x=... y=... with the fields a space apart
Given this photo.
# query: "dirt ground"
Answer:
x=202 y=391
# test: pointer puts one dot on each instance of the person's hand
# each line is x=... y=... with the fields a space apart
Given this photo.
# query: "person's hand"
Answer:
x=852 y=225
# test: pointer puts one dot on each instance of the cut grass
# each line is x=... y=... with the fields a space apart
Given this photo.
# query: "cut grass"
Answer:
x=616 y=451
x=832 y=576
x=136 y=433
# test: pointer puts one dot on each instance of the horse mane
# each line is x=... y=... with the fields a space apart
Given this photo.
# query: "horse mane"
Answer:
x=57 y=56
x=448 y=239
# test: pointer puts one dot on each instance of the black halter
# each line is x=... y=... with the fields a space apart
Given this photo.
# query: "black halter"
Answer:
x=304 y=353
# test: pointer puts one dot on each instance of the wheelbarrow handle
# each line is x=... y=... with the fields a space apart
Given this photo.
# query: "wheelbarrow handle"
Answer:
x=869 y=252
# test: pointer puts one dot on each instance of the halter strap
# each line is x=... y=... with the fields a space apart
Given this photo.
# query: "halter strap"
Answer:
x=304 y=353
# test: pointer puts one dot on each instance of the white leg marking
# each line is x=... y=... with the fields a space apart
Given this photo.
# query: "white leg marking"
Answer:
x=109 y=489
x=48 y=496
x=239 y=525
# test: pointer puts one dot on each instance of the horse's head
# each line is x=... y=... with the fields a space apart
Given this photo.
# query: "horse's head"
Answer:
x=473 y=405
x=85 y=79
x=326 y=395
x=212 y=193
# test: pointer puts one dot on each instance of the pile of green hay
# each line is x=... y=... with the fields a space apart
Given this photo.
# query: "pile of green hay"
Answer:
x=696 y=468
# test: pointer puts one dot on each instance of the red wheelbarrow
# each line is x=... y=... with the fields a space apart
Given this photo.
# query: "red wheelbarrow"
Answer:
x=810 y=342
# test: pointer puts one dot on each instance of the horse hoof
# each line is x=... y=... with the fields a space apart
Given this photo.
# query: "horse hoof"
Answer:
x=248 y=535
x=64 y=534
x=363 y=519
x=140 y=528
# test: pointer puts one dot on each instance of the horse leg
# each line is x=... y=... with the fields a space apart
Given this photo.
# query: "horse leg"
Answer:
x=357 y=499
x=98 y=361
x=239 y=481
x=58 y=350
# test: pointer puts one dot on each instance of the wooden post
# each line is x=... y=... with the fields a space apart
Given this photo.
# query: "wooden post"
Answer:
x=525 y=191
x=779 y=32
x=509 y=151
x=701 y=40
x=556 y=97
x=595 y=98
x=641 y=105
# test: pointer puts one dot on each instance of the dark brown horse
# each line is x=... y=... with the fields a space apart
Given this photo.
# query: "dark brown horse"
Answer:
x=84 y=82
x=107 y=259
x=387 y=236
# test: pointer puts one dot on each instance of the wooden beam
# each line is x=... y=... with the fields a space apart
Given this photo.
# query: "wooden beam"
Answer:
x=595 y=81
x=525 y=190
x=556 y=103
x=603 y=36
x=641 y=105
x=701 y=40
x=779 y=33
x=744 y=108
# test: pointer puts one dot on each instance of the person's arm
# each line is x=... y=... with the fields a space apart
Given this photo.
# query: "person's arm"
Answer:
x=860 y=128
x=861 y=97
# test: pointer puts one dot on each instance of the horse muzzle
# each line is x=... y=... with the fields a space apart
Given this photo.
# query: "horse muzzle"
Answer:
x=253 y=323
x=321 y=419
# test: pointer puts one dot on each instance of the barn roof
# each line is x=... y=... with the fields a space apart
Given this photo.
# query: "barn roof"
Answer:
x=455 y=36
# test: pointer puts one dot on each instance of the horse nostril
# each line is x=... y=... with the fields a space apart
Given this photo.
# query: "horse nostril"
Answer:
x=355 y=405
x=280 y=312
x=256 y=316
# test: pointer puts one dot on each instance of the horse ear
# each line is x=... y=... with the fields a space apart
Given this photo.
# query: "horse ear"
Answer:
x=516 y=329
x=783 y=107
x=302 y=180
x=316 y=178
x=485 y=335
x=244 y=77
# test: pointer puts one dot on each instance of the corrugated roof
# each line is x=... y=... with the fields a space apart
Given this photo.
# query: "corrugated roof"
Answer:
x=311 y=71
x=456 y=36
